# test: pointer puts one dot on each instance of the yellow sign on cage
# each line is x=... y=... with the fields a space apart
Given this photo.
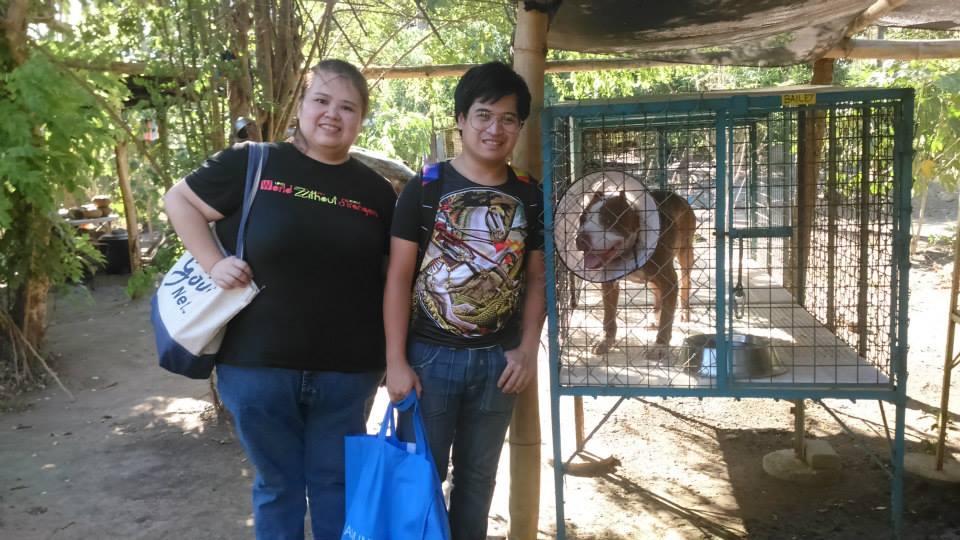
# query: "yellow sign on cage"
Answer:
x=797 y=100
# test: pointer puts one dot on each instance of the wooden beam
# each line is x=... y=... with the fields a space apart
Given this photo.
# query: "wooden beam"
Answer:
x=553 y=66
x=901 y=49
x=387 y=72
x=530 y=56
x=139 y=69
x=872 y=14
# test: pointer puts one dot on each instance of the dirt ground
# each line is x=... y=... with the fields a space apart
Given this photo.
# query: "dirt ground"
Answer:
x=140 y=454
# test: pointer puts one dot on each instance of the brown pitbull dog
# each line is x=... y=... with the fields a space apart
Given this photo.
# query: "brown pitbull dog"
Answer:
x=609 y=233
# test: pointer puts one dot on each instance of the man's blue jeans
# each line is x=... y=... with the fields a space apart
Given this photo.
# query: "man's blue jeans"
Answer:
x=291 y=424
x=464 y=409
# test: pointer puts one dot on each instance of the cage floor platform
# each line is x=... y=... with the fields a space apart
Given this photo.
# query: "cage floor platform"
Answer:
x=810 y=353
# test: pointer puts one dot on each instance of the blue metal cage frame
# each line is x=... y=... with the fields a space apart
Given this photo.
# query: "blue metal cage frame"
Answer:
x=723 y=112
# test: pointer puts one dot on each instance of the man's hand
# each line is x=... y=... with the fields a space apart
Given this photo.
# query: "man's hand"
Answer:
x=520 y=370
x=230 y=272
x=400 y=379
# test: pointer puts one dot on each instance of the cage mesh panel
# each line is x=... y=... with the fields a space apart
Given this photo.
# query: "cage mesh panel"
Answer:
x=825 y=308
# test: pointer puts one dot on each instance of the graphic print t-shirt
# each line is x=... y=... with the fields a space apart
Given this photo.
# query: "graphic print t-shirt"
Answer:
x=470 y=284
x=316 y=240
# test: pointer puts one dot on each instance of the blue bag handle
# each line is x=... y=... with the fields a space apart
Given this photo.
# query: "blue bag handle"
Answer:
x=419 y=430
x=257 y=156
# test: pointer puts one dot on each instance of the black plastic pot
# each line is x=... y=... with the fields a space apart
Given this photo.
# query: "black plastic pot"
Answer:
x=115 y=250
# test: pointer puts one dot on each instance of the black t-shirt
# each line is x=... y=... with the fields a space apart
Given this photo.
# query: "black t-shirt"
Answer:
x=469 y=287
x=316 y=240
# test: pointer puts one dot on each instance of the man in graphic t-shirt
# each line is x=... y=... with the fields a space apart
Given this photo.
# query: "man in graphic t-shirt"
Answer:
x=472 y=267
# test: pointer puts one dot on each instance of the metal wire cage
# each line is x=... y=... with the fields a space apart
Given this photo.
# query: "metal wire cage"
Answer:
x=737 y=244
x=797 y=278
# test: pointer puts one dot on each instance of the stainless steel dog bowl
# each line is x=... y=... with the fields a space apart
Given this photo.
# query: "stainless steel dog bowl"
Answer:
x=750 y=357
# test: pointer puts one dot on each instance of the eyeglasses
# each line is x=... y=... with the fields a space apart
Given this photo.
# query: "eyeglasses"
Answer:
x=482 y=120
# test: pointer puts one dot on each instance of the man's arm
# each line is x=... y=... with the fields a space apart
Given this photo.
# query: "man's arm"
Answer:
x=522 y=361
x=396 y=318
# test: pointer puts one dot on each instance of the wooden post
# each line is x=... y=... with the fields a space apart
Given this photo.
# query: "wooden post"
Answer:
x=833 y=202
x=812 y=124
x=530 y=54
x=799 y=430
x=129 y=206
x=863 y=275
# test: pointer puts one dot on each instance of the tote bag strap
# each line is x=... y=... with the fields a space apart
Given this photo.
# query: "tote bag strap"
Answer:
x=256 y=157
x=419 y=430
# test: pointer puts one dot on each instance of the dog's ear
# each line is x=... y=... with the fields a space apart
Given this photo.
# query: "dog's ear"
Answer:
x=619 y=214
x=597 y=196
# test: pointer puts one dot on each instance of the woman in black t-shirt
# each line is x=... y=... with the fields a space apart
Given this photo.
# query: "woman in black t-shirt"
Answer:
x=299 y=364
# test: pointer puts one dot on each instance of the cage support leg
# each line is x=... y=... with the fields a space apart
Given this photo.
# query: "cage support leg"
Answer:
x=578 y=421
x=799 y=420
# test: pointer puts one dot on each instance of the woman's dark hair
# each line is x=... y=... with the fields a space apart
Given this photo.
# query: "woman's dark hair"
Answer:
x=345 y=70
x=488 y=83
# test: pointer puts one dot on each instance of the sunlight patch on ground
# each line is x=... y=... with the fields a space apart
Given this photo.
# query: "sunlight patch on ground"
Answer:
x=184 y=413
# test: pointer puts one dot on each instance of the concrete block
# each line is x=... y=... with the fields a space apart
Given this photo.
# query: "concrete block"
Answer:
x=783 y=464
x=820 y=455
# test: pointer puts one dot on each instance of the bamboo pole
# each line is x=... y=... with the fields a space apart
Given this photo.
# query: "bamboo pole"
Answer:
x=950 y=361
x=872 y=14
x=901 y=49
x=129 y=206
x=530 y=54
x=553 y=66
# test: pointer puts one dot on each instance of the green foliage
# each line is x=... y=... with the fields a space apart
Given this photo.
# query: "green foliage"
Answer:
x=169 y=252
x=56 y=140
x=142 y=282
x=402 y=134
x=80 y=258
x=937 y=102
x=52 y=136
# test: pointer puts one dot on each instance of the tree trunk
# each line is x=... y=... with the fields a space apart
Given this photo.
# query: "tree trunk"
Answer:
x=239 y=80
x=30 y=309
x=34 y=322
x=812 y=124
x=31 y=305
x=288 y=58
x=129 y=206
x=263 y=25
x=530 y=53
x=163 y=142
x=15 y=30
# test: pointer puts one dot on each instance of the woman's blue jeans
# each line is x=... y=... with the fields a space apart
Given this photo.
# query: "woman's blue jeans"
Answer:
x=463 y=409
x=291 y=424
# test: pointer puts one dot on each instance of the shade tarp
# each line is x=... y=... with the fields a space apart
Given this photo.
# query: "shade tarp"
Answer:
x=729 y=32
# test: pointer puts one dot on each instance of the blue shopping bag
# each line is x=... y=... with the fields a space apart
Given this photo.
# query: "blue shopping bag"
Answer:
x=392 y=488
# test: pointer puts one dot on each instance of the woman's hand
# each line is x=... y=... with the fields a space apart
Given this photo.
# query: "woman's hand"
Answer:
x=400 y=379
x=230 y=272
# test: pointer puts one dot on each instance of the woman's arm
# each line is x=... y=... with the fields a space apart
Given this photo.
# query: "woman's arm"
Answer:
x=190 y=217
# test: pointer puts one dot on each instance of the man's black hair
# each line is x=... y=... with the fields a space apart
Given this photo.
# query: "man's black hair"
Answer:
x=488 y=83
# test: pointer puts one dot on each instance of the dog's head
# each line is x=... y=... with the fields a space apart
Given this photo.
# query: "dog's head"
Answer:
x=609 y=228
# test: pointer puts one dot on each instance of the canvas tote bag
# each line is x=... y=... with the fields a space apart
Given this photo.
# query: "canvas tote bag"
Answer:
x=189 y=311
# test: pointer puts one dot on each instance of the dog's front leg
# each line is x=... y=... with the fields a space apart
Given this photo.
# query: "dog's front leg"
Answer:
x=611 y=295
x=666 y=283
